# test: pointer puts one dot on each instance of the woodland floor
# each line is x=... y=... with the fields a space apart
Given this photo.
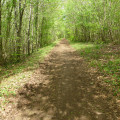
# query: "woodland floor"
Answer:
x=63 y=88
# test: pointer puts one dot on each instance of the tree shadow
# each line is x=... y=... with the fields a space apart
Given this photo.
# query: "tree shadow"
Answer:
x=68 y=92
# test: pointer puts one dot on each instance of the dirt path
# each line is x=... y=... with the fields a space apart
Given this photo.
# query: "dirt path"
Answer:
x=63 y=88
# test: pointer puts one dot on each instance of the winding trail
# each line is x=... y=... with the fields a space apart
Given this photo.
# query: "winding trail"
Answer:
x=64 y=88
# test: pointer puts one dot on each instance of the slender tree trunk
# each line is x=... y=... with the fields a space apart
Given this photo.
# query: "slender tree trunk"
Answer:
x=42 y=33
x=21 y=12
x=36 y=24
x=9 y=18
x=29 y=30
x=9 y=23
x=1 y=47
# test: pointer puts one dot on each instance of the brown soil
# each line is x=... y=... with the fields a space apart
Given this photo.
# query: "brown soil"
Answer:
x=64 y=88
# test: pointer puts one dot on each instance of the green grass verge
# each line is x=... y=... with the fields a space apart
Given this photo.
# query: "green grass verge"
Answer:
x=14 y=76
x=104 y=57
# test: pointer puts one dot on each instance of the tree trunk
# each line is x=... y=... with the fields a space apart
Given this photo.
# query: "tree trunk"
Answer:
x=21 y=12
x=1 y=47
x=29 y=31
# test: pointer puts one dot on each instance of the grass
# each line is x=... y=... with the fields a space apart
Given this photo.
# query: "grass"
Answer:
x=15 y=76
x=104 y=57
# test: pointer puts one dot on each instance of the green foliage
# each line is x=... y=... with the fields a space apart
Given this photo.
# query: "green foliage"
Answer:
x=27 y=25
x=93 y=21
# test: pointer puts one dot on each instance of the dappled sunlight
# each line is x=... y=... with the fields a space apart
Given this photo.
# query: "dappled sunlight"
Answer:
x=15 y=76
x=105 y=58
x=76 y=79
x=66 y=92
x=83 y=45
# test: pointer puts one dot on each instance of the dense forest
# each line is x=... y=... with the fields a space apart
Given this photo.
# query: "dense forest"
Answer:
x=27 y=25
x=60 y=59
x=93 y=21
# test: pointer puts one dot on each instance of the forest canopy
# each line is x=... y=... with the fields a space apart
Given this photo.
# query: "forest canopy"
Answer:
x=27 y=25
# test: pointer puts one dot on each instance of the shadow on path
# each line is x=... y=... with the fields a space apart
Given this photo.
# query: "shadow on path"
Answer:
x=67 y=92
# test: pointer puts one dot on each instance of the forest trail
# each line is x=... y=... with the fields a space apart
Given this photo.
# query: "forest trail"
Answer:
x=64 y=88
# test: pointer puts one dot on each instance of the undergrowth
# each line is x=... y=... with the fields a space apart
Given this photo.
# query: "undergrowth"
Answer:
x=14 y=76
x=104 y=57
